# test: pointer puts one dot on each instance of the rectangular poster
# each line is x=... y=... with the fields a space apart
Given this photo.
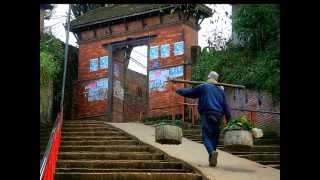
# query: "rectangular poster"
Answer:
x=156 y=84
x=97 y=89
x=165 y=50
x=157 y=79
x=154 y=52
x=102 y=83
x=93 y=95
x=151 y=75
x=165 y=74
x=178 y=48
x=93 y=65
x=175 y=72
x=104 y=62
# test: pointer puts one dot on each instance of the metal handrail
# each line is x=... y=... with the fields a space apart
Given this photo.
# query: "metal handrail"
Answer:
x=44 y=161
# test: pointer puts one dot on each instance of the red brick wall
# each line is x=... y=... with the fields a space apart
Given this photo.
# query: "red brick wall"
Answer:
x=91 y=47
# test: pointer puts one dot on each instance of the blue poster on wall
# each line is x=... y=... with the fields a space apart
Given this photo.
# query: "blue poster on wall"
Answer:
x=93 y=94
x=151 y=75
x=176 y=72
x=103 y=62
x=102 y=83
x=93 y=65
x=178 y=48
x=156 y=84
x=165 y=51
x=154 y=52
x=165 y=74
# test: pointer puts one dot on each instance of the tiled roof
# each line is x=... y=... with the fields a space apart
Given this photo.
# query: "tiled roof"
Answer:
x=115 y=12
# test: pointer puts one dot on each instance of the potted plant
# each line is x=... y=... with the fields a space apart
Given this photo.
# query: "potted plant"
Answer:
x=239 y=133
x=168 y=132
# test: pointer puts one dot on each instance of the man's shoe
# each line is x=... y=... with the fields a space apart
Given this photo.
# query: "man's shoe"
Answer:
x=213 y=159
x=210 y=160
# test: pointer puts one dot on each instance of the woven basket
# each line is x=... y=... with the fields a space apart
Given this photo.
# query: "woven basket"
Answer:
x=238 y=139
x=168 y=134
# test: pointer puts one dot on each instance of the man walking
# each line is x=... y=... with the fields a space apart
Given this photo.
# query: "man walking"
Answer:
x=212 y=105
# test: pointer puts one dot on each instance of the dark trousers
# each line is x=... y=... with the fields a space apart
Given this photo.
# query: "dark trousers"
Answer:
x=210 y=122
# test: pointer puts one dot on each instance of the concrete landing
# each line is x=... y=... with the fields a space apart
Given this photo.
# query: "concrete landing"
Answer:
x=229 y=167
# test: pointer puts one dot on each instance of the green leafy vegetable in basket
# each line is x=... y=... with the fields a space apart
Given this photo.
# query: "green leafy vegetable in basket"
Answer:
x=243 y=123
x=239 y=123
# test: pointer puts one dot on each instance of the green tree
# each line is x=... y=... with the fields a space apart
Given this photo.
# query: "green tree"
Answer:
x=51 y=63
x=51 y=58
x=255 y=62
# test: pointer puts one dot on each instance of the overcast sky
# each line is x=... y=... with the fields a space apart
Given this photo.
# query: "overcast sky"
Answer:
x=224 y=25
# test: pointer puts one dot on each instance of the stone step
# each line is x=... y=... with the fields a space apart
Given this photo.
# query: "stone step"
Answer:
x=261 y=157
x=90 y=170
x=274 y=148
x=97 y=133
x=193 y=137
x=268 y=141
x=196 y=140
x=83 y=122
x=94 y=143
x=110 y=148
x=117 y=164
x=191 y=131
x=262 y=141
x=94 y=138
x=45 y=131
x=268 y=162
x=276 y=166
x=245 y=153
x=84 y=125
x=47 y=135
x=111 y=155
x=127 y=176
x=81 y=129
x=44 y=141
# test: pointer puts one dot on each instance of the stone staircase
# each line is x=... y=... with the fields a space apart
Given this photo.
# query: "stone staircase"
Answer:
x=266 y=150
x=94 y=150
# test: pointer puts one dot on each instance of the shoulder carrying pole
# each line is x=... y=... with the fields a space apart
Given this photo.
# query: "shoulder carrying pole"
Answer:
x=202 y=82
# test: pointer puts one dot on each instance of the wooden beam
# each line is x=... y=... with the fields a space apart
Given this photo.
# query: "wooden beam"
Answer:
x=202 y=82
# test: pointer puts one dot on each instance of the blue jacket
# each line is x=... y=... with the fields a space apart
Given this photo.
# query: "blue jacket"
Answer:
x=211 y=98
